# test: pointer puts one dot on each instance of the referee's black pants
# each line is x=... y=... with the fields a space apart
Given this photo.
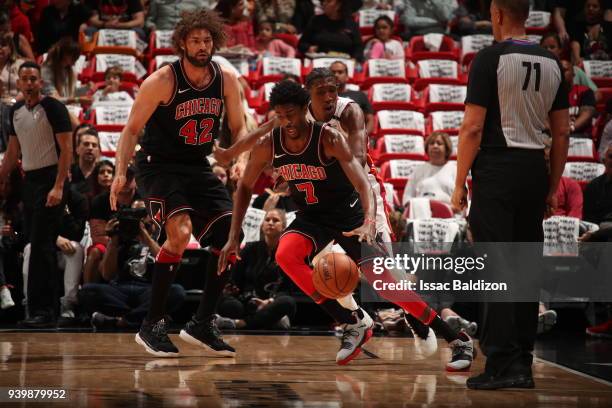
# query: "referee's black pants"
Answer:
x=41 y=226
x=508 y=205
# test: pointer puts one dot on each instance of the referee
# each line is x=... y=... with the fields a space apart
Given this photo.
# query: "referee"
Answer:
x=41 y=133
x=515 y=90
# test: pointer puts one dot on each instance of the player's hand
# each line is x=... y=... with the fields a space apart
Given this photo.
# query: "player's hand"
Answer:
x=459 y=199
x=54 y=197
x=227 y=255
x=221 y=155
x=364 y=233
x=551 y=204
x=65 y=245
x=116 y=187
x=563 y=36
x=237 y=170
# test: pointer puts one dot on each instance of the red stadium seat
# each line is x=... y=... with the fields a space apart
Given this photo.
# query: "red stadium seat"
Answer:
x=444 y=121
x=110 y=41
x=365 y=20
x=391 y=96
x=392 y=147
x=439 y=97
x=272 y=69
x=538 y=22
x=438 y=72
x=581 y=150
x=380 y=71
x=397 y=122
x=160 y=43
x=439 y=209
x=397 y=172
x=416 y=50
x=133 y=71
x=600 y=72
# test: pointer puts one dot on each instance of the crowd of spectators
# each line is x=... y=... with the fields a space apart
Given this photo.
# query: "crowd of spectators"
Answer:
x=105 y=269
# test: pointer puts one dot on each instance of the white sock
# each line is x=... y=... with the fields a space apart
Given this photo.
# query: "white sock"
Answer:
x=348 y=302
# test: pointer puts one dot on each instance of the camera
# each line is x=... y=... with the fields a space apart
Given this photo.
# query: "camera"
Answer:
x=129 y=219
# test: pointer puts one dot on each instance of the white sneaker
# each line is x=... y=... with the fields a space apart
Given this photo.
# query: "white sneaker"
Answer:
x=425 y=348
x=353 y=337
x=463 y=353
x=66 y=312
x=6 y=300
x=546 y=321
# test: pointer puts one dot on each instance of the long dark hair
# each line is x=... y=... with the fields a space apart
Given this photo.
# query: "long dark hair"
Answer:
x=55 y=58
x=94 y=187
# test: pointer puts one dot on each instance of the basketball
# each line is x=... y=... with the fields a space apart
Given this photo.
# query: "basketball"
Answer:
x=335 y=275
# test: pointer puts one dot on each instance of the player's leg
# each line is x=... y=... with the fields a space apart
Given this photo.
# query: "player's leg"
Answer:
x=363 y=255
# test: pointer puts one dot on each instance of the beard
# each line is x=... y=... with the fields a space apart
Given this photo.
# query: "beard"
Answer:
x=197 y=62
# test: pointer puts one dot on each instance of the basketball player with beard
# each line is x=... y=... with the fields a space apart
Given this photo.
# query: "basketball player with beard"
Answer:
x=180 y=107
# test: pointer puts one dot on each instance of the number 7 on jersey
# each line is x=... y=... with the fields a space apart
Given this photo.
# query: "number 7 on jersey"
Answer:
x=308 y=188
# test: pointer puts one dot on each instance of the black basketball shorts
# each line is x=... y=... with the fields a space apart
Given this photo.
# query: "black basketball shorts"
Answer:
x=170 y=188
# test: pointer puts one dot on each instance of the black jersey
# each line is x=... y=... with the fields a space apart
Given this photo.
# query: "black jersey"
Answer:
x=183 y=130
x=318 y=186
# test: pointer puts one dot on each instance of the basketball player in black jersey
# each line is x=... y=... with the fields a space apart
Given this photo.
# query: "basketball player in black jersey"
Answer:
x=180 y=107
x=335 y=202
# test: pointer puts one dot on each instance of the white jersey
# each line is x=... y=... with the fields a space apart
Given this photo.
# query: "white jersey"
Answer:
x=382 y=224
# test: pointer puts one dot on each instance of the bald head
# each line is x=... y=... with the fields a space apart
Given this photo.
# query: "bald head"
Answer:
x=517 y=10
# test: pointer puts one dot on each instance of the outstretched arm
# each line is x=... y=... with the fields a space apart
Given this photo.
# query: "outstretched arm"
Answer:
x=353 y=122
x=244 y=144
x=260 y=158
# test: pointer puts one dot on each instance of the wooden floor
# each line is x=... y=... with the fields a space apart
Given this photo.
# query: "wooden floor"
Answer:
x=111 y=370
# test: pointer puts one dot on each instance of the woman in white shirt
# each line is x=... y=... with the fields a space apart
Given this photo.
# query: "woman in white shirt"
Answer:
x=434 y=179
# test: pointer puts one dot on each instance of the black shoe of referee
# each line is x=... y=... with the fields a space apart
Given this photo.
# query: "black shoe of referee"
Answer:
x=154 y=338
x=204 y=333
x=486 y=381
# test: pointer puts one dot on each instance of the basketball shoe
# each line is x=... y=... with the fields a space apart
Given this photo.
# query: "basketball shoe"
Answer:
x=354 y=336
x=205 y=334
x=463 y=353
x=458 y=323
x=154 y=338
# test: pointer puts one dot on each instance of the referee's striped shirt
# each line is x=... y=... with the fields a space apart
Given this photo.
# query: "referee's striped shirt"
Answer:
x=519 y=83
x=35 y=128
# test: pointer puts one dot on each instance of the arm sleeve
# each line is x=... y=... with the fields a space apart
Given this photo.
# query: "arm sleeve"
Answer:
x=57 y=115
x=482 y=81
x=562 y=98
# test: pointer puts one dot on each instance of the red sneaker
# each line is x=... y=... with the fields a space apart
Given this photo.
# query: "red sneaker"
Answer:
x=603 y=330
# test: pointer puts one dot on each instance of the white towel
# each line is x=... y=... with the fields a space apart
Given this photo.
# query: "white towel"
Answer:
x=433 y=41
x=420 y=208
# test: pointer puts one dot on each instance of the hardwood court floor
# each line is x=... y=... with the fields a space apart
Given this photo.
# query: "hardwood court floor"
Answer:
x=111 y=370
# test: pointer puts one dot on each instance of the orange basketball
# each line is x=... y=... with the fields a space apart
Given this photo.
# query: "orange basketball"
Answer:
x=335 y=276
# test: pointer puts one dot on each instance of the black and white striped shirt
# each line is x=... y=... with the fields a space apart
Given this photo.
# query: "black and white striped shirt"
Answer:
x=36 y=128
x=519 y=83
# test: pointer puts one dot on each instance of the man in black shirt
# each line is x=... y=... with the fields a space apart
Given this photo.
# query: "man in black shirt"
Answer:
x=62 y=18
x=340 y=70
x=515 y=87
x=117 y=14
x=88 y=153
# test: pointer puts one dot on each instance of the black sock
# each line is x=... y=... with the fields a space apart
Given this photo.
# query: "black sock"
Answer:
x=212 y=289
x=337 y=312
x=420 y=329
x=440 y=327
x=163 y=276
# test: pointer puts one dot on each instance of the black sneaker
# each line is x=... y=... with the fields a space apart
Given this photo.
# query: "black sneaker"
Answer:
x=204 y=333
x=154 y=338
x=485 y=381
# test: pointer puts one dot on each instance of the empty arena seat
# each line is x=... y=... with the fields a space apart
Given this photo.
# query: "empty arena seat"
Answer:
x=445 y=121
x=600 y=72
x=391 y=97
x=391 y=147
x=437 y=72
x=438 y=209
x=160 y=60
x=583 y=172
x=399 y=122
x=378 y=71
x=581 y=149
x=160 y=43
x=112 y=41
x=108 y=143
x=417 y=49
x=367 y=17
x=471 y=44
x=325 y=62
x=437 y=97
x=538 y=22
x=133 y=71
x=261 y=101
x=397 y=172
x=111 y=118
x=272 y=69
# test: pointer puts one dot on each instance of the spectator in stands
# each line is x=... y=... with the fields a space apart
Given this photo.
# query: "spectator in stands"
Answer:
x=382 y=45
x=112 y=89
x=123 y=299
x=471 y=17
x=20 y=24
x=99 y=216
x=238 y=25
x=61 y=18
x=340 y=70
x=268 y=46
x=42 y=133
x=606 y=136
x=334 y=31
x=278 y=197
x=116 y=14
x=422 y=17
x=591 y=39
x=279 y=11
x=569 y=193
x=88 y=153
x=9 y=65
x=598 y=194
x=58 y=72
x=21 y=45
x=582 y=104
x=304 y=11
x=552 y=43
x=434 y=179
x=164 y=14
x=254 y=298
x=11 y=241
x=221 y=173
x=102 y=178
